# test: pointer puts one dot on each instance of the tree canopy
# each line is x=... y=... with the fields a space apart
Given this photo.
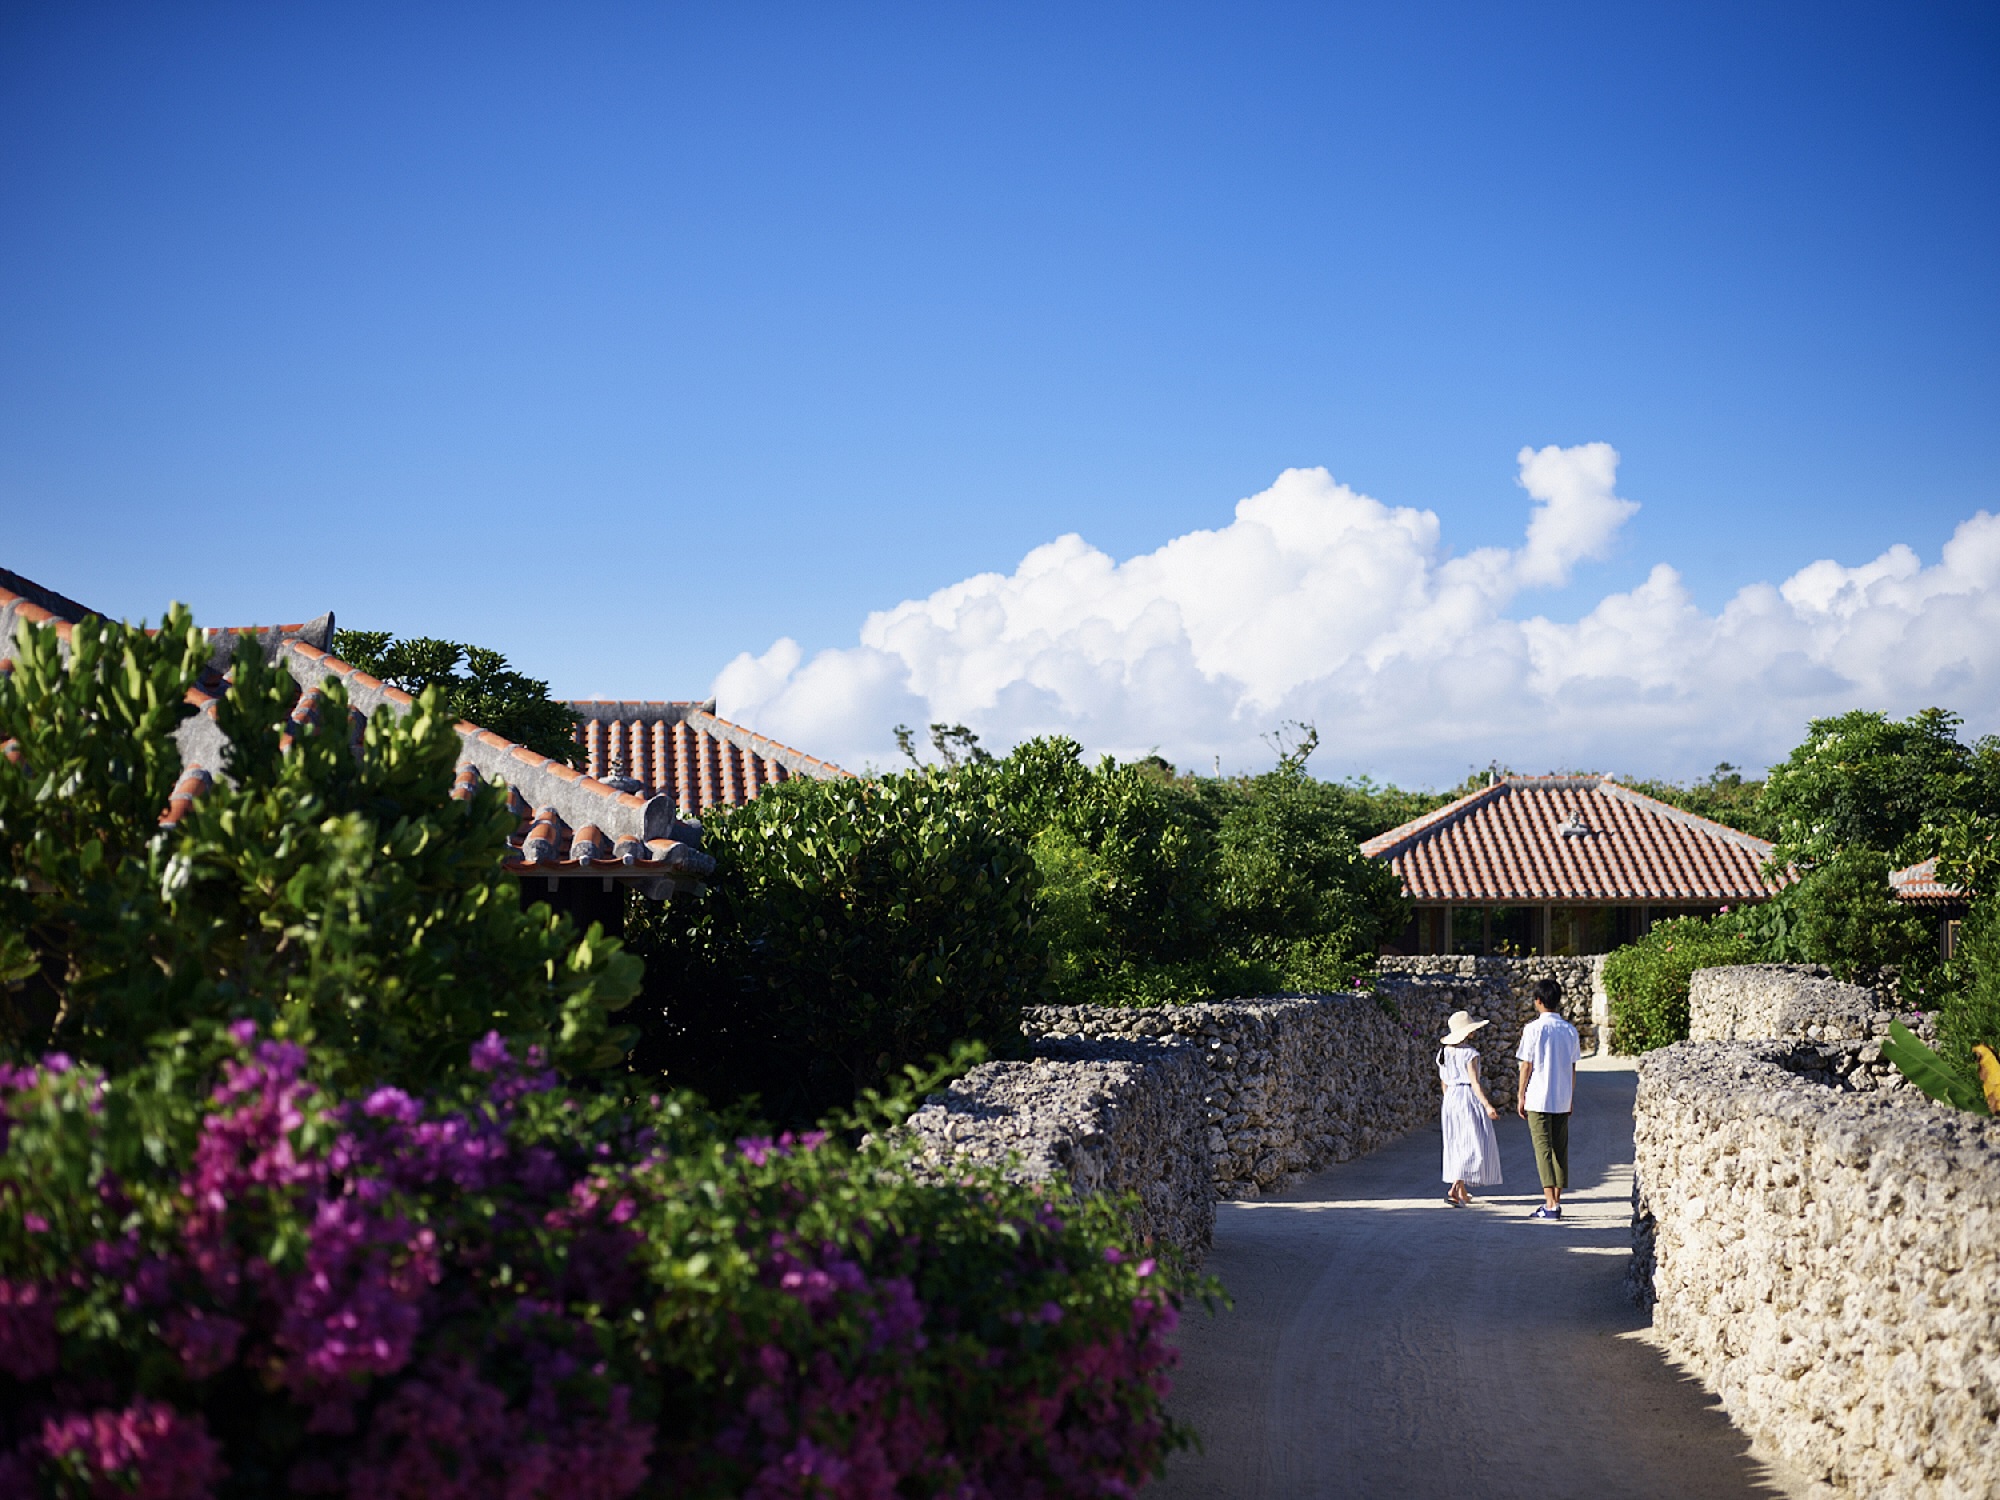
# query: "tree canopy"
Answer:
x=1863 y=780
x=488 y=692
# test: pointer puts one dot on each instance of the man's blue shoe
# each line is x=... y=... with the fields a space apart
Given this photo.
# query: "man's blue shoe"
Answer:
x=1552 y=1215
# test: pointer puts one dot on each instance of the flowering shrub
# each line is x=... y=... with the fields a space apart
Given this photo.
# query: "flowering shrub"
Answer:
x=218 y=1278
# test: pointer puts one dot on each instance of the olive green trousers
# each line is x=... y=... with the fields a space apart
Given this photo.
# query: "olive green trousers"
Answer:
x=1550 y=1133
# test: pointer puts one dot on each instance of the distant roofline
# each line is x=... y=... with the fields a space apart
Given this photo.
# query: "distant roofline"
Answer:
x=1919 y=883
x=1396 y=840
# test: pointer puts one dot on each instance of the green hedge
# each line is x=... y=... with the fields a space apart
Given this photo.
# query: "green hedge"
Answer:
x=851 y=927
x=1647 y=981
x=347 y=901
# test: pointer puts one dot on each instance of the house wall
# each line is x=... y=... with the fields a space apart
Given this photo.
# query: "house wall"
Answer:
x=1525 y=929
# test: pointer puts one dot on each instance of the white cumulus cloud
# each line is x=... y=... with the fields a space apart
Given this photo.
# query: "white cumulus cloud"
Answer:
x=1319 y=603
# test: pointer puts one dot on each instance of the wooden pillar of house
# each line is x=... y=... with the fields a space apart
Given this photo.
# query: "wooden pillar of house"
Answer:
x=1548 y=930
x=1485 y=929
x=1446 y=910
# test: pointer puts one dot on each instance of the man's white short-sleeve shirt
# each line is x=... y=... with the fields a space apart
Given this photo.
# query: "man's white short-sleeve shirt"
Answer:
x=1550 y=1043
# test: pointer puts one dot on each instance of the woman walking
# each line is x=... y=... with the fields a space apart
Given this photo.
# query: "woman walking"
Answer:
x=1471 y=1154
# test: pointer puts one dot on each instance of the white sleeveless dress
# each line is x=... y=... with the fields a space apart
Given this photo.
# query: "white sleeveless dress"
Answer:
x=1471 y=1154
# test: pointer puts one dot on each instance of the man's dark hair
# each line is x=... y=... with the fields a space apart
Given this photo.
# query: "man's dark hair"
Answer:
x=1550 y=994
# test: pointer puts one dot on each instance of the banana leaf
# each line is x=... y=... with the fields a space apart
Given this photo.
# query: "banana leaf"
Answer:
x=1932 y=1073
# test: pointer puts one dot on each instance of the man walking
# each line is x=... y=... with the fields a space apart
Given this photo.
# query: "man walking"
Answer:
x=1548 y=1053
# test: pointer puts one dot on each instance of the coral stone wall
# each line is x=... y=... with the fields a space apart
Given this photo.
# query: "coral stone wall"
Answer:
x=1178 y=1104
x=1293 y=1083
x=1754 y=1002
x=1828 y=1262
x=1116 y=1117
x=1499 y=988
x=1837 y=1029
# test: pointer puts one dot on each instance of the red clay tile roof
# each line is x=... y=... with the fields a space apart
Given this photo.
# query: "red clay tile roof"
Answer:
x=1919 y=885
x=1571 y=839
x=23 y=601
x=571 y=824
x=683 y=751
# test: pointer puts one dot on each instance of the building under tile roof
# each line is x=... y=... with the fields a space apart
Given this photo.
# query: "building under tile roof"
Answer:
x=573 y=828
x=1563 y=864
x=1919 y=885
x=685 y=752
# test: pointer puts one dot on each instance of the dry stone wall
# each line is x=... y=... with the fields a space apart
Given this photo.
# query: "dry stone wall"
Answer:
x=1828 y=1262
x=1099 y=1117
x=1180 y=1104
x=1501 y=989
x=1293 y=1083
x=1836 y=1029
x=1755 y=1002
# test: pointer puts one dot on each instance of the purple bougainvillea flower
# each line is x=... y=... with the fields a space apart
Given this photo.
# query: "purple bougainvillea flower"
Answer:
x=490 y=1054
x=147 y=1450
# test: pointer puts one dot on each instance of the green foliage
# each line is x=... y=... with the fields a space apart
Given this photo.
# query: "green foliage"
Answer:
x=954 y=743
x=1647 y=981
x=1969 y=1014
x=1931 y=1073
x=1967 y=846
x=854 y=927
x=487 y=692
x=1160 y=889
x=1126 y=862
x=336 y=897
x=1863 y=795
x=850 y=927
x=1723 y=796
x=1865 y=781
x=1844 y=915
x=1367 y=807
x=1294 y=891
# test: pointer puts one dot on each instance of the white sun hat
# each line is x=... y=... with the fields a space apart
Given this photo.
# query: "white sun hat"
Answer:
x=1462 y=1026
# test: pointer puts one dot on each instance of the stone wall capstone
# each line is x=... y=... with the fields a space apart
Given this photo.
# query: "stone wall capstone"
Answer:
x=1827 y=1262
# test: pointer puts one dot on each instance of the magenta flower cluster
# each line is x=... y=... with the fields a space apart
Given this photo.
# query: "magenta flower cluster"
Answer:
x=518 y=1291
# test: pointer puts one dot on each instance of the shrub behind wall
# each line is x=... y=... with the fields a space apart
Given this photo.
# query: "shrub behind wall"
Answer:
x=851 y=927
x=1647 y=981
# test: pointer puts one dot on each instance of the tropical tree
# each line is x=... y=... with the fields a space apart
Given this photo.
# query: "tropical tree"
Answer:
x=487 y=691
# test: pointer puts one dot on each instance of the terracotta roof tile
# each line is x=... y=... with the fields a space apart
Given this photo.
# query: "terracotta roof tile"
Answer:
x=1572 y=839
x=684 y=751
x=1919 y=885
x=194 y=781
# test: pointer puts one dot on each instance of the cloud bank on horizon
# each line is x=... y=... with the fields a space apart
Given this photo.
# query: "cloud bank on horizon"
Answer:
x=1321 y=604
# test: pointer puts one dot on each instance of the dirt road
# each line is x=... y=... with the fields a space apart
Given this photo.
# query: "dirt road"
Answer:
x=1383 y=1344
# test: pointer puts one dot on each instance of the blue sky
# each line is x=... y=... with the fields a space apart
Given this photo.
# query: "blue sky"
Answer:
x=630 y=339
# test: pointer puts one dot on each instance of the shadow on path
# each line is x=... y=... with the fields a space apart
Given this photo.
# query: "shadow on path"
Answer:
x=1384 y=1344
